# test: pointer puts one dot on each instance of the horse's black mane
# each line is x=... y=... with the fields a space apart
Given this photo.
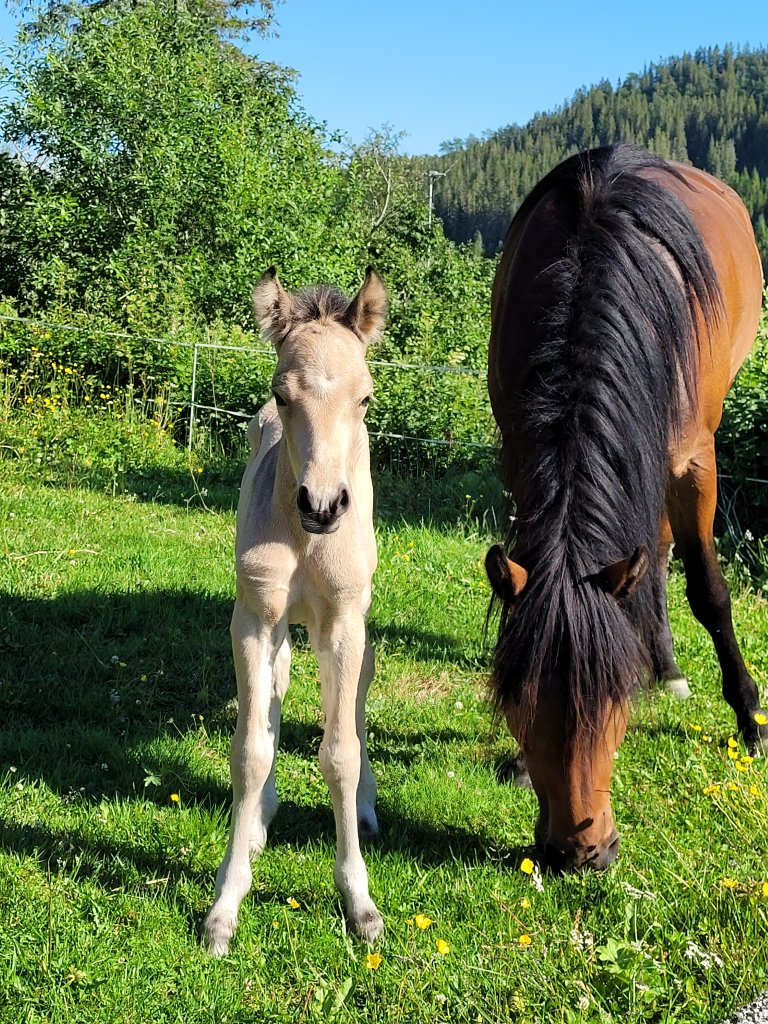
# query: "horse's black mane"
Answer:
x=591 y=414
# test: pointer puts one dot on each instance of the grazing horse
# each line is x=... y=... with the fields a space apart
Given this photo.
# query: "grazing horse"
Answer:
x=626 y=299
x=305 y=553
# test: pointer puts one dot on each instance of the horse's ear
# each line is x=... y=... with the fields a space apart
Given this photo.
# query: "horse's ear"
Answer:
x=272 y=306
x=366 y=312
x=621 y=578
x=507 y=578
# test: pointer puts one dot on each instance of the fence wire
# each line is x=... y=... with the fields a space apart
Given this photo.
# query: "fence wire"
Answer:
x=193 y=403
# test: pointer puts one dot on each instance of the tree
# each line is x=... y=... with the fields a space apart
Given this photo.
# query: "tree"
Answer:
x=158 y=167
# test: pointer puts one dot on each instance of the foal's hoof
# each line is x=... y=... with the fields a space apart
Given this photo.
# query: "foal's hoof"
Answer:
x=678 y=687
x=217 y=931
x=368 y=925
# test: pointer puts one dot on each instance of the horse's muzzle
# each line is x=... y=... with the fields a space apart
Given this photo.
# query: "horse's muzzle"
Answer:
x=596 y=858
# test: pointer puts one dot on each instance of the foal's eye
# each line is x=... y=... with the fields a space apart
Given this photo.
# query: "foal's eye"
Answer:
x=279 y=399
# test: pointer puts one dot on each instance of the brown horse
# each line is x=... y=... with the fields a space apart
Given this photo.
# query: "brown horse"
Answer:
x=627 y=297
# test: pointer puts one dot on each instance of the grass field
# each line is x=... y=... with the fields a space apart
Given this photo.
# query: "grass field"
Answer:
x=116 y=708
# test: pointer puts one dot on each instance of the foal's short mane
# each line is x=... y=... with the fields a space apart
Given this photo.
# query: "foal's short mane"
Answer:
x=321 y=302
x=591 y=414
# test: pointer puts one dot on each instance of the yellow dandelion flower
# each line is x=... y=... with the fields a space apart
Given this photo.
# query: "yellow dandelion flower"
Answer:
x=764 y=889
x=442 y=947
x=422 y=921
x=525 y=940
x=754 y=791
x=732 y=743
x=746 y=759
x=733 y=787
x=711 y=789
x=760 y=718
x=525 y=903
x=373 y=961
x=292 y=903
x=729 y=883
x=733 y=754
x=175 y=798
x=527 y=866
x=695 y=727
x=741 y=767
x=706 y=739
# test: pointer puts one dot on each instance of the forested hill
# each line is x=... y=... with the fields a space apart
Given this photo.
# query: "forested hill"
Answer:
x=709 y=109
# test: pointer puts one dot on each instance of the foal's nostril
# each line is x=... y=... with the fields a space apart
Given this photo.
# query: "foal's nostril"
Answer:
x=340 y=503
x=302 y=501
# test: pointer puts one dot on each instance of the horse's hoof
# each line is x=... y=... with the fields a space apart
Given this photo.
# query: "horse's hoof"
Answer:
x=514 y=770
x=756 y=738
x=678 y=687
x=367 y=824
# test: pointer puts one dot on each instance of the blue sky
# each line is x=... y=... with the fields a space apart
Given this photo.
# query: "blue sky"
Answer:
x=444 y=70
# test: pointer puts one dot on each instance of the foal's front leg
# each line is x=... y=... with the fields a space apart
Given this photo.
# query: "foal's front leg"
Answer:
x=256 y=647
x=341 y=649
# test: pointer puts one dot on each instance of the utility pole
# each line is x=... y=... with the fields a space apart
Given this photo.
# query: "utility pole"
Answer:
x=432 y=175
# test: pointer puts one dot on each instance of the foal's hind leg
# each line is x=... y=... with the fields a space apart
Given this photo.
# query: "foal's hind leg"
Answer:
x=255 y=647
x=366 y=789
x=268 y=804
x=340 y=648
x=692 y=512
x=665 y=668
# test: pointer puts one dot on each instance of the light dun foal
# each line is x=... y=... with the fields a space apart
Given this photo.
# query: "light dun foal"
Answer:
x=305 y=552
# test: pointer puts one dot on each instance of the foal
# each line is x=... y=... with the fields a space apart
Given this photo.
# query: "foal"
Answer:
x=305 y=552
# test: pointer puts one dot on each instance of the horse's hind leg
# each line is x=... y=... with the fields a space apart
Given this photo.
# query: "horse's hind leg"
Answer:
x=255 y=648
x=692 y=512
x=340 y=648
x=366 y=789
x=665 y=667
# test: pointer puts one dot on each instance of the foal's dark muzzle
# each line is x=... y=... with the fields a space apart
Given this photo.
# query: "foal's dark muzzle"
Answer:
x=318 y=519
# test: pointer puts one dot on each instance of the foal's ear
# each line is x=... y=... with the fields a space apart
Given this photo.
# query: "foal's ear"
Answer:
x=272 y=306
x=366 y=312
x=507 y=578
x=621 y=578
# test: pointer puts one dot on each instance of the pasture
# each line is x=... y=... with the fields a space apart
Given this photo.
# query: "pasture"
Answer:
x=117 y=686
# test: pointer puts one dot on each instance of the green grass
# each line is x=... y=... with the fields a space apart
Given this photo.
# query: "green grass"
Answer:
x=116 y=692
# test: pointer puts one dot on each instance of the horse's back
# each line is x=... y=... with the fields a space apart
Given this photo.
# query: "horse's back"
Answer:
x=724 y=224
x=540 y=235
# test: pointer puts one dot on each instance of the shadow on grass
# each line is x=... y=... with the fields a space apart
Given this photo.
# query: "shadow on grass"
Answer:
x=128 y=864
x=102 y=694
x=422 y=644
x=460 y=495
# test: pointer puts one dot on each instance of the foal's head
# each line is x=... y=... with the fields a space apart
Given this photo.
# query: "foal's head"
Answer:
x=321 y=385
